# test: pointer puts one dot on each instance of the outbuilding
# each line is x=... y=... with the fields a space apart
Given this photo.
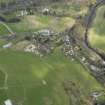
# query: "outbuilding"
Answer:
x=8 y=102
x=45 y=11
x=7 y=45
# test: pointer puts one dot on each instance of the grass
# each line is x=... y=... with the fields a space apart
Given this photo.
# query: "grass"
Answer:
x=96 y=40
x=6 y=1
x=2 y=78
x=97 y=32
x=3 y=30
x=33 y=23
x=26 y=72
x=99 y=22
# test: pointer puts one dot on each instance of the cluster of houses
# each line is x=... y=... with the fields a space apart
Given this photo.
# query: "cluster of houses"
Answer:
x=71 y=51
x=41 y=42
x=68 y=48
x=22 y=13
x=96 y=96
x=32 y=48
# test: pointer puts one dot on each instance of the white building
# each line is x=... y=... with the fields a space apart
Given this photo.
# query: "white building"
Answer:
x=45 y=32
x=30 y=48
x=83 y=59
x=7 y=45
x=44 y=82
x=94 y=68
x=8 y=102
x=45 y=10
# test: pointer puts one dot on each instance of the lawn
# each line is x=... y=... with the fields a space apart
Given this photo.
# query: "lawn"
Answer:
x=97 y=32
x=26 y=74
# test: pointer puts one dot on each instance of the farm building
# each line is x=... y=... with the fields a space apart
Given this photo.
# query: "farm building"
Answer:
x=8 y=102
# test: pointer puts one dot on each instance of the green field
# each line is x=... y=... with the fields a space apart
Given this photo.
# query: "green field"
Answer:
x=33 y=23
x=5 y=0
x=97 y=32
x=25 y=73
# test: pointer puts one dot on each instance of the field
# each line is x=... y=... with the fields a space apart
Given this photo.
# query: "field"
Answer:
x=97 y=32
x=35 y=22
x=24 y=75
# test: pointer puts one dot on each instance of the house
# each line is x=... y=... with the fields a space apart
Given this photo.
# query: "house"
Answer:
x=44 y=82
x=45 y=11
x=66 y=38
x=45 y=32
x=95 y=95
x=30 y=48
x=22 y=13
x=94 y=68
x=8 y=102
x=83 y=59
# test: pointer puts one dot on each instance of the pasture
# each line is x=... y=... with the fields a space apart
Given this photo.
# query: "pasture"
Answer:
x=29 y=80
x=37 y=22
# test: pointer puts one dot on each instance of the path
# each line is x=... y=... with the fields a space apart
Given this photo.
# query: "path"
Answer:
x=7 y=27
x=5 y=80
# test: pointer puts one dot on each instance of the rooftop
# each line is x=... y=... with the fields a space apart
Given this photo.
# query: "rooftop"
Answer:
x=8 y=102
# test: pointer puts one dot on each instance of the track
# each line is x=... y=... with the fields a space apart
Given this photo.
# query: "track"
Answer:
x=7 y=27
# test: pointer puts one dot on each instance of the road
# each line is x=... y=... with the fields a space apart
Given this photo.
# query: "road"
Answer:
x=7 y=27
